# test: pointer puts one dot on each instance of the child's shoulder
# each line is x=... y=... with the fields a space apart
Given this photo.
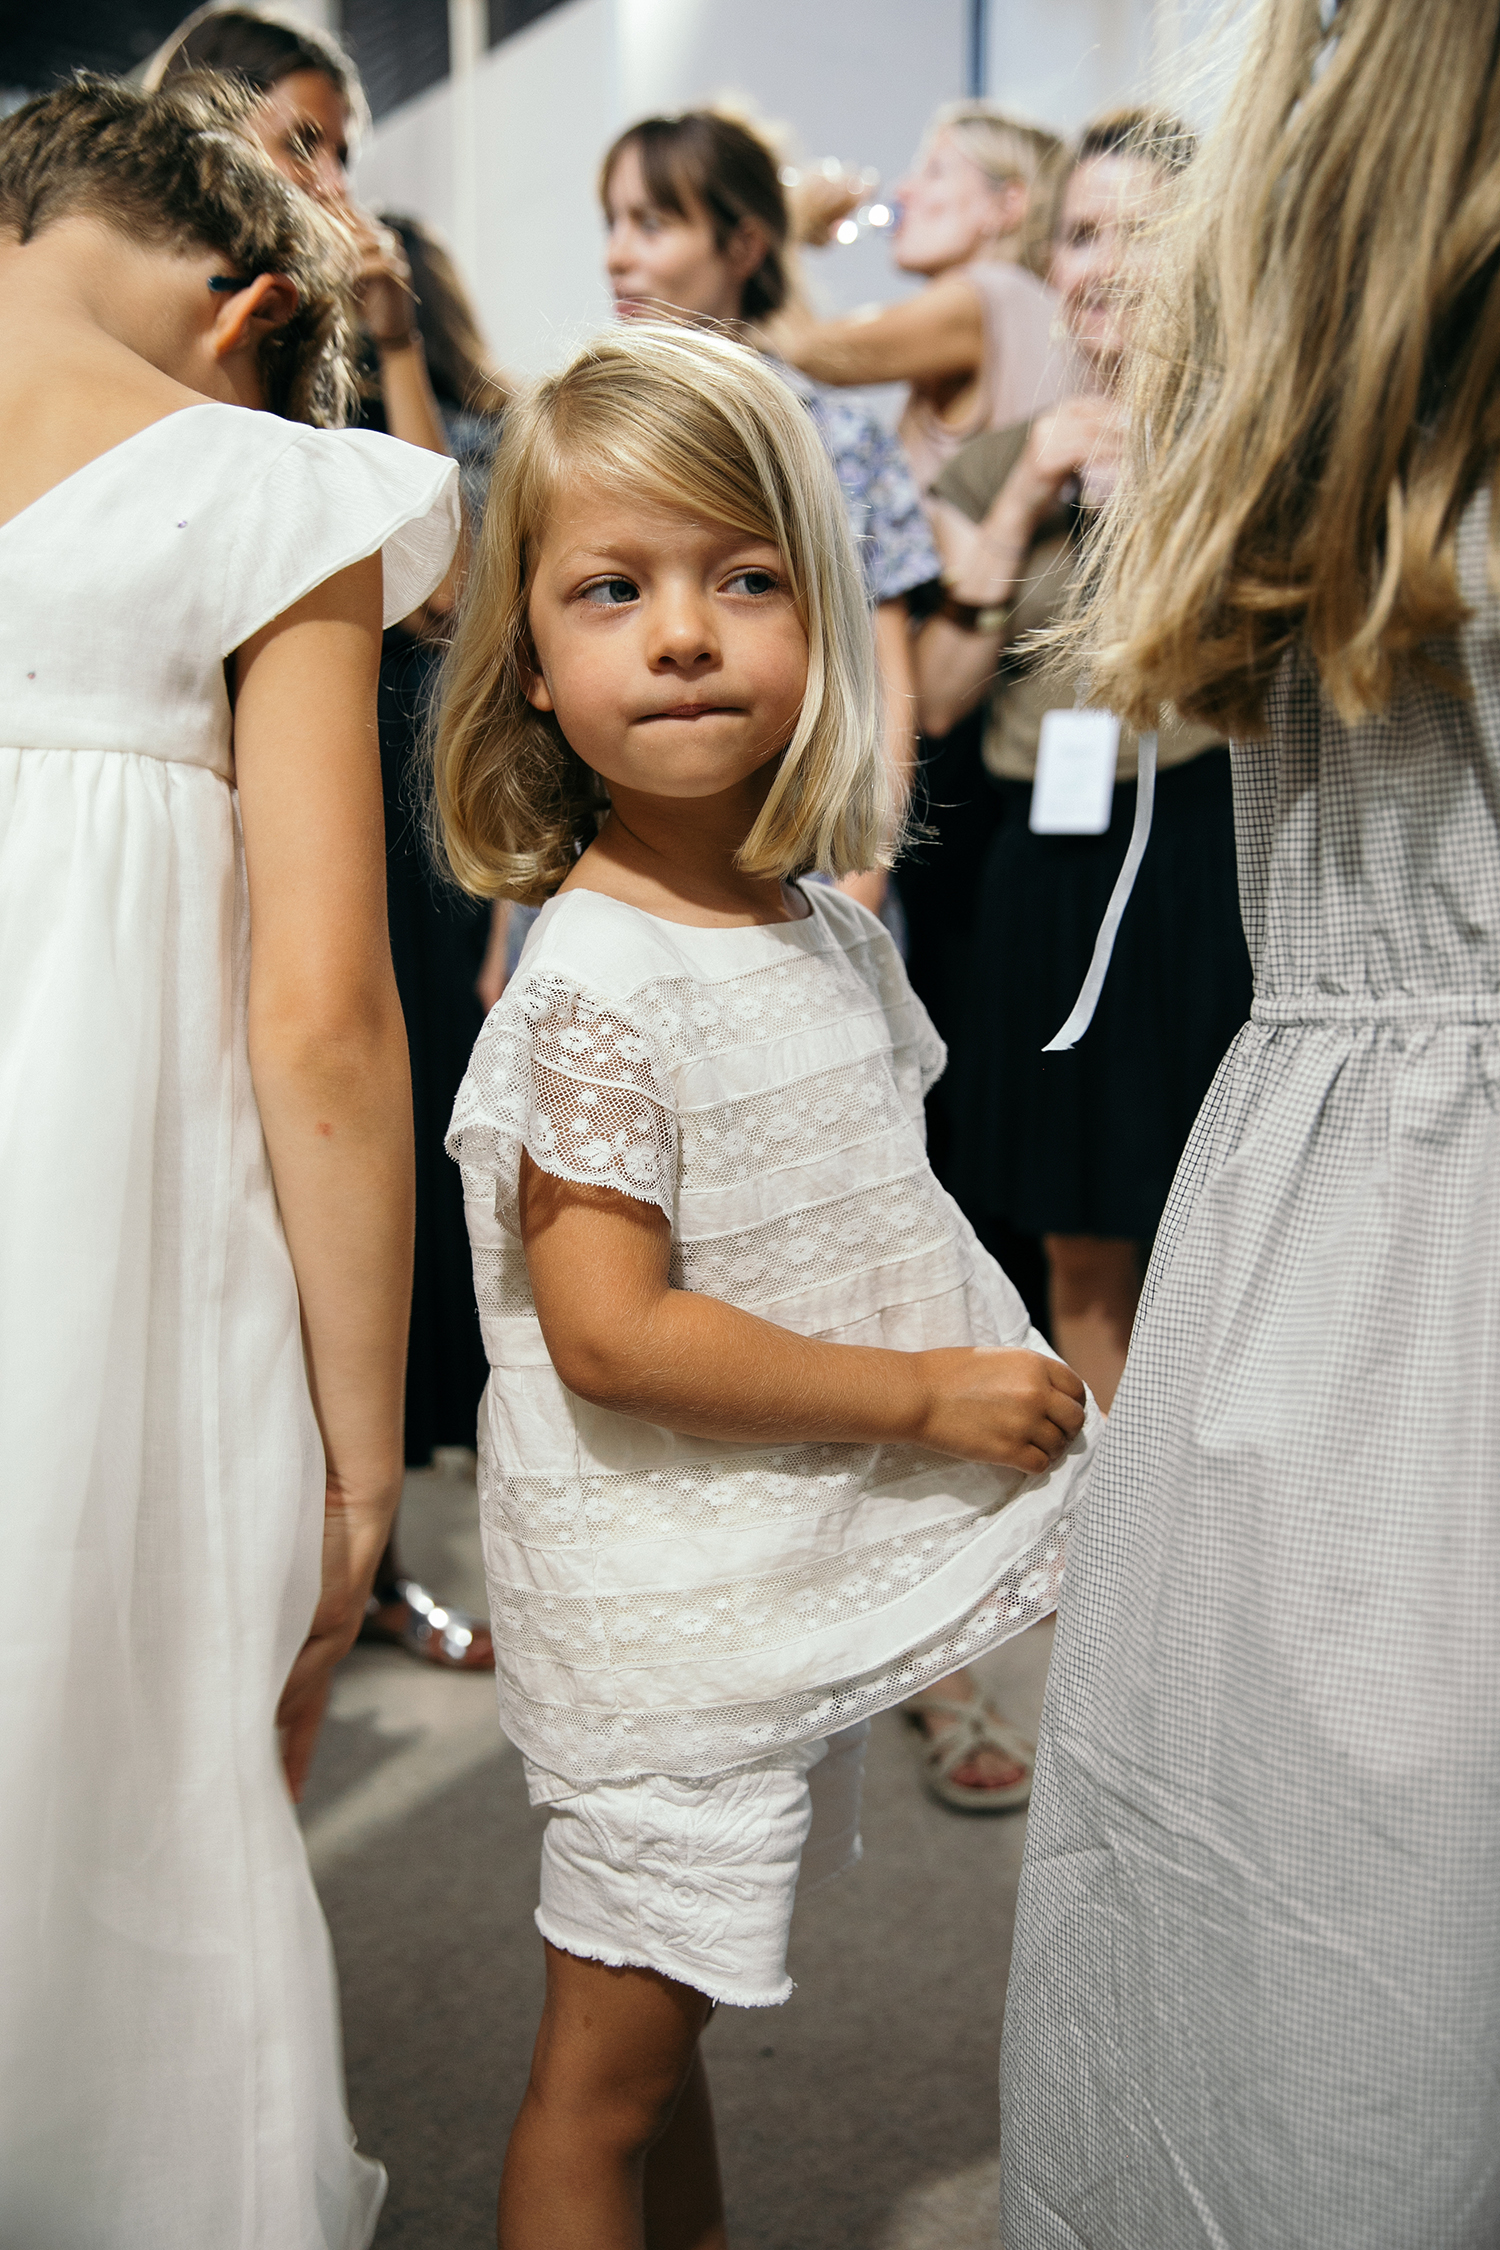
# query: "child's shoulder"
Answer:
x=606 y=947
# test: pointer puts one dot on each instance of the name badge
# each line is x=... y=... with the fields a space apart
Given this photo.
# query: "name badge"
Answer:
x=1073 y=793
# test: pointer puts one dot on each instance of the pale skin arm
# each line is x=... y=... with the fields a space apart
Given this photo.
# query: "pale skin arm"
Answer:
x=622 y=1337
x=898 y=689
x=933 y=337
x=329 y=1064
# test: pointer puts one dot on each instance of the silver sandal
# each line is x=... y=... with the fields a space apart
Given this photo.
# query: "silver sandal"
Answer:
x=976 y=1726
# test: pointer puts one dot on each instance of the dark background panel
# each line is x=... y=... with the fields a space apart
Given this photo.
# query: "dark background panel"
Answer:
x=401 y=47
x=507 y=16
x=39 y=46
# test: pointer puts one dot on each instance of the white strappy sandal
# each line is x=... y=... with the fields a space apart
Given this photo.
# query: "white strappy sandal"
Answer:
x=975 y=1726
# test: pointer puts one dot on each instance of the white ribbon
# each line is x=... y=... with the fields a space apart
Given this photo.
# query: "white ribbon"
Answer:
x=1119 y=898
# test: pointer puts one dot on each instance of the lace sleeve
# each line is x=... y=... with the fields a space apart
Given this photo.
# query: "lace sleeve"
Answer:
x=579 y=1085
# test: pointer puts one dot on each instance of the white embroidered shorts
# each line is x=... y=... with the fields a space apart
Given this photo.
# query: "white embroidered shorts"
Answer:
x=697 y=1879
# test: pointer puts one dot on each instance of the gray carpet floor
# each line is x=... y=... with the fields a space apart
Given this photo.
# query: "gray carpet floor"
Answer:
x=861 y=2116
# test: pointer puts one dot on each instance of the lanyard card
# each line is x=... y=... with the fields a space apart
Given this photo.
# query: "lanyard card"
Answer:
x=1073 y=793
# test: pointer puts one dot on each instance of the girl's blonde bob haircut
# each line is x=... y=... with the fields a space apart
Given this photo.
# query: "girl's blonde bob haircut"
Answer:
x=682 y=418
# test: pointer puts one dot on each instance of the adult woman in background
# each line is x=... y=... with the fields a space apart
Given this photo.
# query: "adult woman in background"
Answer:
x=310 y=112
x=979 y=351
x=1079 y=1148
x=976 y=345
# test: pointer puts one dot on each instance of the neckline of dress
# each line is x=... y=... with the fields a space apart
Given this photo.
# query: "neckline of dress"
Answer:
x=174 y=414
x=809 y=920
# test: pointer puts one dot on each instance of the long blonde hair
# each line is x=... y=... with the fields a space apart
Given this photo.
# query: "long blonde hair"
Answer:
x=686 y=419
x=1314 y=392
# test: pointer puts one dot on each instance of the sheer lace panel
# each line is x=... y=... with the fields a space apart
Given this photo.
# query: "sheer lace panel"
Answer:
x=582 y=1738
x=803 y=1249
x=779 y=1485
x=789 y=1125
x=577 y=1082
x=731 y=1618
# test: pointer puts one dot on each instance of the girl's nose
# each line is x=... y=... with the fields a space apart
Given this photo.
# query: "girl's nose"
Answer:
x=682 y=637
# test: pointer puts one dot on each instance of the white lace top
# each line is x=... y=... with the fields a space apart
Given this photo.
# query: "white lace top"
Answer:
x=675 y=1604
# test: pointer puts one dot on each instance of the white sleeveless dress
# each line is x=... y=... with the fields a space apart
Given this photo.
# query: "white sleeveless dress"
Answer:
x=169 y=2058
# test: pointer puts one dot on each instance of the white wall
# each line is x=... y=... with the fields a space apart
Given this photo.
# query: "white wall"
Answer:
x=503 y=159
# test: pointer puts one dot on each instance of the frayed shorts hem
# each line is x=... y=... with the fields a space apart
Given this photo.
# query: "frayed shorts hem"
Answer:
x=612 y=1957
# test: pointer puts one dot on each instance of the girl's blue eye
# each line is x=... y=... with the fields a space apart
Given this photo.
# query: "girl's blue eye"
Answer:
x=610 y=593
x=756 y=581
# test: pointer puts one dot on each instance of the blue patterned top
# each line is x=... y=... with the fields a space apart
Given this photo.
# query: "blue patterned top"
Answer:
x=886 y=516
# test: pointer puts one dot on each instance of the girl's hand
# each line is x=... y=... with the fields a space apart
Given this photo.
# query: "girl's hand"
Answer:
x=1017 y=1409
x=354 y=1539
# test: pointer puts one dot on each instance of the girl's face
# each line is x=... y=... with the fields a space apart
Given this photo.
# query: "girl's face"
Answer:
x=658 y=258
x=668 y=646
x=303 y=127
x=1097 y=260
x=951 y=210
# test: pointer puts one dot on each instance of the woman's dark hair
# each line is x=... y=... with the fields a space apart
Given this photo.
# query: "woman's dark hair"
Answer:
x=706 y=162
x=458 y=358
x=260 y=46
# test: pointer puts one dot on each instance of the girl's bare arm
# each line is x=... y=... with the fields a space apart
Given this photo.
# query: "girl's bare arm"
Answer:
x=621 y=1336
x=935 y=336
x=329 y=1063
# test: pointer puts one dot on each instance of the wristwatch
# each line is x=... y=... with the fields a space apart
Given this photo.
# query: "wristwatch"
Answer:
x=975 y=617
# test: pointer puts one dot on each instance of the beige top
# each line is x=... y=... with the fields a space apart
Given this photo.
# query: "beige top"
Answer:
x=1025 y=367
x=1028 y=686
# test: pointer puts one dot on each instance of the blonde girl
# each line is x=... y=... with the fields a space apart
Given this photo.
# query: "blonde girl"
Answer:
x=1255 y=1997
x=767 y=1441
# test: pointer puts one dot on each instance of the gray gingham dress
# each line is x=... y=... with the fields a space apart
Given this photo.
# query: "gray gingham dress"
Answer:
x=1255 y=1993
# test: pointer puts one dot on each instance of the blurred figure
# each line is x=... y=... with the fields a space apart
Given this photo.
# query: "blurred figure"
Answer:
x=1079 y=1148
x=976 y=345
x=310 y=111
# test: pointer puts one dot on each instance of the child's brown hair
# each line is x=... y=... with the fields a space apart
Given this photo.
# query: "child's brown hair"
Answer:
x=175 y=169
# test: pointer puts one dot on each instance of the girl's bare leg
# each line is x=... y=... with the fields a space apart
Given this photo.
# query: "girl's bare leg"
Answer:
x=684 y=2201
x=616 y=2056
x=1095 y=1288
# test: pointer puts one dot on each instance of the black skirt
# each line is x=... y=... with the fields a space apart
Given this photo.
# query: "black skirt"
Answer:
x=1087 y=1142
x=438 y=940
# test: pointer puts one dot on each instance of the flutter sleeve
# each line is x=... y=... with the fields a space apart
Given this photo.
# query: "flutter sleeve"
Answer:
x=579 y=1084
x=326 y=500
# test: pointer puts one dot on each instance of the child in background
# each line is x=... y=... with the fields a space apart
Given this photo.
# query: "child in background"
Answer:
x=767 y=1443
x=205 y=1161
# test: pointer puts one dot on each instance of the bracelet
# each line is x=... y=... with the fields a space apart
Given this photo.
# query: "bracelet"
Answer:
x=404 y=343
x=975 y=617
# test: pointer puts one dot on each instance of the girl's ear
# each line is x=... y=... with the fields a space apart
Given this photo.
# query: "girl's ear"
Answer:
x=533 y=681
x=251 y=314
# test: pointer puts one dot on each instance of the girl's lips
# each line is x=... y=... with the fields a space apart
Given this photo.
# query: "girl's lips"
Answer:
x=695 y=711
